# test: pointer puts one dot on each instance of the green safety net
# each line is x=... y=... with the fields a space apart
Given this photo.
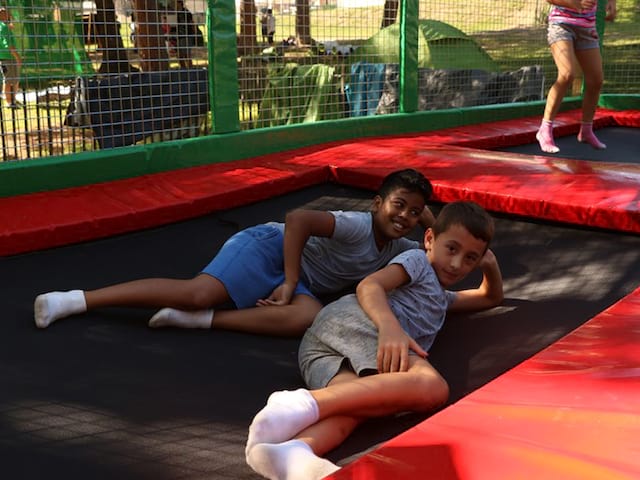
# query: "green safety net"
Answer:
x=50 y=38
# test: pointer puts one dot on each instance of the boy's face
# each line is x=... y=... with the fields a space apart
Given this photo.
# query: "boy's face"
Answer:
x=454 y=253
x=398 y=213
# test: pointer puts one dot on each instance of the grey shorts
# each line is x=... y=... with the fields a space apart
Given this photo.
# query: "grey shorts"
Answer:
x=341 y=334
x=582 y=38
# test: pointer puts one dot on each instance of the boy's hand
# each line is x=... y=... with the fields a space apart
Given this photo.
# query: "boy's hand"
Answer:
x=393 y=349
x=489 y=260
x=427 y=218
x=282 y=295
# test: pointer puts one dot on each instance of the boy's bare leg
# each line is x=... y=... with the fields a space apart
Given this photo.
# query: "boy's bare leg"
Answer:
x=332 y=414
x=287 y=413
x=198 y=293
x=285 y=320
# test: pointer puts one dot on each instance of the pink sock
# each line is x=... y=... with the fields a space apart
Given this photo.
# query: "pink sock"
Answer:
x=545 y=137
x=586 y=135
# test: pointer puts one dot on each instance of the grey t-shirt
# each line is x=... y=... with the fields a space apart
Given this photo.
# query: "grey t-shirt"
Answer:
x=421 y=305
x=332 y=264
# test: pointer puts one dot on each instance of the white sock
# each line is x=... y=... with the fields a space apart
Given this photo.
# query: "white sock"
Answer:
x=49 y=307
x=286 y=414
x=292 y=460
x=170 y=317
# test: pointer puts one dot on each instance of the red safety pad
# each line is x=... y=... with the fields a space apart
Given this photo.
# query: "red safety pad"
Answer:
x=570 y=412
x=594 y=194
x=506 y=133
x=585 y=193
x=48 y=219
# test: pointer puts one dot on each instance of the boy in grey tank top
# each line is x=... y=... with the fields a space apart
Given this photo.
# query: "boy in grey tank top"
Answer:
x=366 y=354
x=272 y=273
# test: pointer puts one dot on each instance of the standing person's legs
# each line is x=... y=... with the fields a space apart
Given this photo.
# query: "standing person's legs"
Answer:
x=591 y=63
x=183 y=48
x=565 y=60
x=11 y=81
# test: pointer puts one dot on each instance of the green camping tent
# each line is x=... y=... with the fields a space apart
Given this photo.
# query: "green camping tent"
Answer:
x=440 y=46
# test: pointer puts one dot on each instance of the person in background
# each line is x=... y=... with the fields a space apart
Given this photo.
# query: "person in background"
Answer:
x=263 y=25
x=10 y=59
x=271 y=26
x=185 y=35
x=365 y=355
x=574 y=43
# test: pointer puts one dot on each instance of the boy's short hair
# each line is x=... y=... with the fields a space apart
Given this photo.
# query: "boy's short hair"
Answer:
x=408 y=179
x=468 y=214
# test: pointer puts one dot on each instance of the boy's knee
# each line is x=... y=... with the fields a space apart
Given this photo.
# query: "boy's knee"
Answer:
x=433 y=390
x=203 y=293
x=305 y=312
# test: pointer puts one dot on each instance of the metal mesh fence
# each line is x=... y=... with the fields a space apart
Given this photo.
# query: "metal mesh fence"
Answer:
x=110 y=73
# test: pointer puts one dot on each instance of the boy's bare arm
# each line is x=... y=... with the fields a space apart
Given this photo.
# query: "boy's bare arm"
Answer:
x=299 y=226
x=489 y=294
x=393 y=342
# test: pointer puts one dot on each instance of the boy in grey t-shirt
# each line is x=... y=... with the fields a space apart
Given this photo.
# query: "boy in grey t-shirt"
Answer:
x=365 y=354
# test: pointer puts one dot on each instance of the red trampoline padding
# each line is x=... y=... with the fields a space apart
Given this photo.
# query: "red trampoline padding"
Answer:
x=570 y=412
x=579 y=192
x=49 y=219
x=506 y=133
x=585 y=193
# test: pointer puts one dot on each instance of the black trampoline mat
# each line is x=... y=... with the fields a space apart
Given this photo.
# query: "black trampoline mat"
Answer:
x=623 y=146
x=101 y=396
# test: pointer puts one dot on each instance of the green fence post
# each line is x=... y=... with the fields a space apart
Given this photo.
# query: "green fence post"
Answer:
x=408 y=79
x=223 y=65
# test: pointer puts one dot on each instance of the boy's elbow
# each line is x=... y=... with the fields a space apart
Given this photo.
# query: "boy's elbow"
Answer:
x=499 y=298
x=496 y=298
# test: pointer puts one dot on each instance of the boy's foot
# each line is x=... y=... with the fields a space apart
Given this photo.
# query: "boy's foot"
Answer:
x=52 y=306
x=171 y=317
x=292 y=460
x=286 y=414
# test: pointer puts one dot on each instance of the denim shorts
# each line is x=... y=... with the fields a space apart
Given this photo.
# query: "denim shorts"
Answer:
x=251 y=265
x=582 y=38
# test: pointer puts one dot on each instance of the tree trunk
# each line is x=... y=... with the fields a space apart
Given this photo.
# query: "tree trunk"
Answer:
x=390 y=13
x=247 y=40
x=107 y=32
x=149 y=37
x=303 y=22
